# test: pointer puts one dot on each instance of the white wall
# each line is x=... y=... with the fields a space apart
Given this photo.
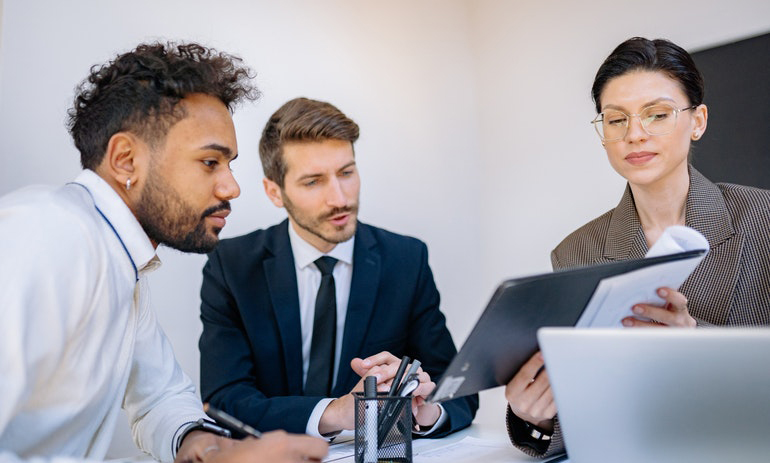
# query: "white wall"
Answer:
x=474 y=116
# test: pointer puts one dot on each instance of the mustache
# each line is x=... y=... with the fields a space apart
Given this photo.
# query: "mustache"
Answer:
x=223 y=206
x=339 y=210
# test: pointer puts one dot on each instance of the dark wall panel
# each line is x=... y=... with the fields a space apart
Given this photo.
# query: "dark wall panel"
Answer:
x=736 y=145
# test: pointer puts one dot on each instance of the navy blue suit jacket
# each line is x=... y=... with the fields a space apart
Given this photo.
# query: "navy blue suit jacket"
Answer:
x=251 y=347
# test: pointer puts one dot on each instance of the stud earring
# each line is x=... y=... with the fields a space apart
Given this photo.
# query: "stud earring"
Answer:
x=128 y=184
x=696 y=136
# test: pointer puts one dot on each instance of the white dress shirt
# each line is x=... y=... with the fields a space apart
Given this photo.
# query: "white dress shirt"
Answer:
x=308 y=282
x=78 y=338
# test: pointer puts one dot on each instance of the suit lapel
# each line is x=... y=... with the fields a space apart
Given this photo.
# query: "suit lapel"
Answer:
x=717 y=274
x=363 y=292
x=282 y=285
x=705 y=211
x=625 y=237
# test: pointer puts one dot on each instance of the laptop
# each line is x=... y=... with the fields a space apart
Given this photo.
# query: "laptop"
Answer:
x=661 y=395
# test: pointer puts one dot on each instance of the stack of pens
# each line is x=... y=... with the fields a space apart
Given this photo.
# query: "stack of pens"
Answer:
x=383 y=421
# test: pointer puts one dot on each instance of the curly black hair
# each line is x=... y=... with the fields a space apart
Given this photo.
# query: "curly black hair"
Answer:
x=139 y=92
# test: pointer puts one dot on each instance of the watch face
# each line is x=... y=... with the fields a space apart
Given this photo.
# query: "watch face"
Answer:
x=537 y=434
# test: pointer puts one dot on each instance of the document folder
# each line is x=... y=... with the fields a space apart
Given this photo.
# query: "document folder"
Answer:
x=505 y=336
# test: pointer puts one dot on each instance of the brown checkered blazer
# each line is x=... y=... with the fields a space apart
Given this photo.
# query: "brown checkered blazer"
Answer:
x=731 y=286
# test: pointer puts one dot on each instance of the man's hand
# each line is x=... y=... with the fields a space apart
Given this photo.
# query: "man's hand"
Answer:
x=340 y=414
x=197 y=443
x=425 y=414
x=273 y=447
x=529 y=394
x=674 y=313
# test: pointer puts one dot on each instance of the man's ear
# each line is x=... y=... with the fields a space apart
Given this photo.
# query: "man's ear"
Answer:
x=120 y=160
x=273 y=192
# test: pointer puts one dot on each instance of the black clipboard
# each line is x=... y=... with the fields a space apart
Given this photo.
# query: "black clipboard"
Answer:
x=505 y=336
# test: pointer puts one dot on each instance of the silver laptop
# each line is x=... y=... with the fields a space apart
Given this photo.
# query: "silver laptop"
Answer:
x=661 y=395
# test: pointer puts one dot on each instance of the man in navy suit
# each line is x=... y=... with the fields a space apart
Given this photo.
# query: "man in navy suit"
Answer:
x=265 y=294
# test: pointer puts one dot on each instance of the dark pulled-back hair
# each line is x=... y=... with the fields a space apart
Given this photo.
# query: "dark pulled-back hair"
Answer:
x=640 y=54
x=139 y=92
x=301 y=120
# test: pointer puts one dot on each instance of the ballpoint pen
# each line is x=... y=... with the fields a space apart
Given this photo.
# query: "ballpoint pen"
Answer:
x=230 y=421
x=370 y=420
x=399 y=374
x=387 y=419
x=394 y=386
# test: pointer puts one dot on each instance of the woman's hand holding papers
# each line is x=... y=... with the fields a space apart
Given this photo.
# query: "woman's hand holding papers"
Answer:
x=674 y=313
x=529 y=394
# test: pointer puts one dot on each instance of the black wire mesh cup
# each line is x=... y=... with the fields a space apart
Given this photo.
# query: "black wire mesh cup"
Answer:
x=383 y=429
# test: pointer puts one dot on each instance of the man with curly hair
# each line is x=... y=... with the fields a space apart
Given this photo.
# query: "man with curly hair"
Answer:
x=78 y=339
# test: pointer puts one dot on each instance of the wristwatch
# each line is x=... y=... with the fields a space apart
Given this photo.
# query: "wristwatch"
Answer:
x=537 y=433
x=205 y=426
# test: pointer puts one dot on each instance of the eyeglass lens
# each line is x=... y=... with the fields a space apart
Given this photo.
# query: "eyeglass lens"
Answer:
x=656 y=120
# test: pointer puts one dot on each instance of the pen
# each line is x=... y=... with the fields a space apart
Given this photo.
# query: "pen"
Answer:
x=370 y=420
x=230 y=421
x=394 y=387
x=412 y=370
x=399 y=374
x=389 y=418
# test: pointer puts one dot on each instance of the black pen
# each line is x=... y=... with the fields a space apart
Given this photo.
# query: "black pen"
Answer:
x=399 y=374
x=230 y=421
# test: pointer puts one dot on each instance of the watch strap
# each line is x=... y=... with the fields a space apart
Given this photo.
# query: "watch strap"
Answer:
x=200 y=425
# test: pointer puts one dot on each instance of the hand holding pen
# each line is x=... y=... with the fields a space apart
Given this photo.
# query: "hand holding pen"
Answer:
x=395 y=371
x=271 y=447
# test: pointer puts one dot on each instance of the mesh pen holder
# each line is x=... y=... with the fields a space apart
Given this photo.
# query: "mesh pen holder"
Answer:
x=383 y=429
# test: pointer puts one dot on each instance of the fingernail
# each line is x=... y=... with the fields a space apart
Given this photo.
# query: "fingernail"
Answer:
x=662 y=292
x=627 y=322
x=367 y=363
x=637 y=309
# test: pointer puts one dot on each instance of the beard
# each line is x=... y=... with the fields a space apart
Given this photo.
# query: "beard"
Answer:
x=315 y=225
x=168 y=219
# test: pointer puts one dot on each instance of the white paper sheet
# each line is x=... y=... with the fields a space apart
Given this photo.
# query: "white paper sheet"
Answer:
x=470 y=449
x=341 y=450
x=614 y=297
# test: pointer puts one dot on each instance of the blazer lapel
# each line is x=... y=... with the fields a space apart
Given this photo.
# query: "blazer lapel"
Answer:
x=707 y=212
x=363 y=292
x=282 y=285
x=625 y=238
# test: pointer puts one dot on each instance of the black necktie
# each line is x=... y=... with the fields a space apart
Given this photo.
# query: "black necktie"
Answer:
x=321 y=369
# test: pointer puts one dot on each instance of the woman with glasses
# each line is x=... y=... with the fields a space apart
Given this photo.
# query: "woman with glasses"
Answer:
x=649 y=96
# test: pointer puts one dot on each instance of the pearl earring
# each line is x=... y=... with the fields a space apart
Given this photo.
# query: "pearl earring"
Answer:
x=128 y=184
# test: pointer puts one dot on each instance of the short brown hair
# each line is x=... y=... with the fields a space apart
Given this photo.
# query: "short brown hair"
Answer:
x=301 y=120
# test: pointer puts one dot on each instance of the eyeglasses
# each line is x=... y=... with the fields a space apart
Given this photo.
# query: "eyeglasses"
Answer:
x=612 y=125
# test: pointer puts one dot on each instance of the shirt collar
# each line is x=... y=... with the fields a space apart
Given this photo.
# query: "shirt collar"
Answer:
x=305 y=253
x=122 y=220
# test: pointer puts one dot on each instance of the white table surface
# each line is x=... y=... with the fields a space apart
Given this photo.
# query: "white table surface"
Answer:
x=483 y=441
